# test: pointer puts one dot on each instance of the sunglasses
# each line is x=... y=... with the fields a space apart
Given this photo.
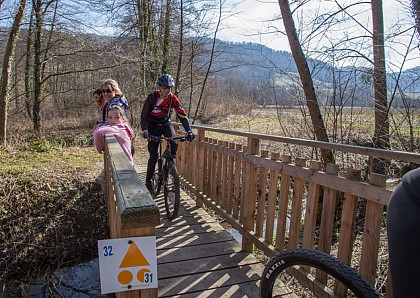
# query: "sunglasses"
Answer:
x=106 y=91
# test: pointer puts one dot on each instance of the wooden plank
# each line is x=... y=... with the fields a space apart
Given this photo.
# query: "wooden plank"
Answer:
x=296 y=211
x=182 y=240
x=261 y=201
x=173 y=231
x=271 y=202
x=348 y=225
x=194 y=283
x=283 y=203
x=213 y=180
x=328 y=212
x=206 y=264
x=230 y=186
x=371 y=232
x=219 y=156
x=236 y=291
x=201 y=160
x=327 y=219
x=223 y=181
x=250 y=193
x=198 y=251
x=311 y=209
x=238 y=174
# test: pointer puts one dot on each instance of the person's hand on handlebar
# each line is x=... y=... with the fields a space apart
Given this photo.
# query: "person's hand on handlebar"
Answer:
x=146 y=134
x=190 y=136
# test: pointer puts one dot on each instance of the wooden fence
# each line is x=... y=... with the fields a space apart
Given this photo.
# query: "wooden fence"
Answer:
x=132 y=211
x=287 y=202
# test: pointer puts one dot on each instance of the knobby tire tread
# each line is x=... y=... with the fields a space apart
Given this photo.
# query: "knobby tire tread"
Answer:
x=316 y=259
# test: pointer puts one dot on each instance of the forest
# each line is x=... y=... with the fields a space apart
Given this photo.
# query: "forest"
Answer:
x=56 y=52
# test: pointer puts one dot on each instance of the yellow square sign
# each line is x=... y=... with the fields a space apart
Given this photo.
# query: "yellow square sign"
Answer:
x=127 y=264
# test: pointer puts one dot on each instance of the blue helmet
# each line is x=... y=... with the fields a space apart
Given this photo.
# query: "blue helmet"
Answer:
x=166 y=80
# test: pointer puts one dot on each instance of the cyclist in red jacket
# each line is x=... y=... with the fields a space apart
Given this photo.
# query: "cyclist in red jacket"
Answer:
x=156 y=120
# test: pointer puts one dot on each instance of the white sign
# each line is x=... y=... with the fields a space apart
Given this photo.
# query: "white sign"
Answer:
x=127 y=264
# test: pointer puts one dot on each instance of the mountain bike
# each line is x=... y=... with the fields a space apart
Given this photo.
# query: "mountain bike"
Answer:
x=166 y=175
x=292 y=274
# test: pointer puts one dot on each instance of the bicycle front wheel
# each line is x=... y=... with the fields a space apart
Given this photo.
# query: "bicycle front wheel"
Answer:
x=172 y=194
x=309 y=273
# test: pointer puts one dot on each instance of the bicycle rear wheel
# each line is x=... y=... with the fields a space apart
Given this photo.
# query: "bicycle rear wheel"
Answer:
x=310 y=273
x=171 y=192
x=157 y=178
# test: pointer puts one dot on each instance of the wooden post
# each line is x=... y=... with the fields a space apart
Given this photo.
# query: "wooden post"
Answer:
x=132 y=212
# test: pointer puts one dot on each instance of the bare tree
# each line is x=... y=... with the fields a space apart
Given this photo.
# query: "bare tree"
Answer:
x=306 y=79
x=6 y=69
x=210 y=61
x=381 y=137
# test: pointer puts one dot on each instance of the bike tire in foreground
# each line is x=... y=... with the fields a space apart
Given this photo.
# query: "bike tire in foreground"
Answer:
x=281 y=275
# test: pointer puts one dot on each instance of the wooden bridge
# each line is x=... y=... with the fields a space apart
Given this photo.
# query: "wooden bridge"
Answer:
x=274 y=203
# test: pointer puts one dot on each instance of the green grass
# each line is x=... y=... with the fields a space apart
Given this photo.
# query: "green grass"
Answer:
x=47 y=153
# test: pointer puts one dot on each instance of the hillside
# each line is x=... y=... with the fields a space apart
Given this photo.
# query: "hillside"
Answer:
x=256 y=65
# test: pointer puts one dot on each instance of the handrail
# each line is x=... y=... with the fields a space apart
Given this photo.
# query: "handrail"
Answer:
x=371 y=152
x=279 y=202
x=132 y=212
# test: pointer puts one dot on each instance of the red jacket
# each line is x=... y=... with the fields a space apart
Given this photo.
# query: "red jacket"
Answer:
x=157 y=111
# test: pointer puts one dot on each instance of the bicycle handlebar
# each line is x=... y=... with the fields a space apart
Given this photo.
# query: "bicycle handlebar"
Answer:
x=160 y=138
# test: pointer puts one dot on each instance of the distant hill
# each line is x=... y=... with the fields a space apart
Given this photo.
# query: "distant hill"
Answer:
x=256 y=64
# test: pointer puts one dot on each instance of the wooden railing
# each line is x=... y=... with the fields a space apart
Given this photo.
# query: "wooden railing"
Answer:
x=278 y=203
x=132 y=211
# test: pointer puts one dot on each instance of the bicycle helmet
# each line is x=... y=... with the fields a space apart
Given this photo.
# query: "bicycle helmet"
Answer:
x=166 y=80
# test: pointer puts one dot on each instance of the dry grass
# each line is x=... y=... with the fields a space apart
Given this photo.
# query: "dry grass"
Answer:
x=52 y=206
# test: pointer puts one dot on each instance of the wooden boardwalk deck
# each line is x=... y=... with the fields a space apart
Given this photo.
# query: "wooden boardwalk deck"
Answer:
x=197 y=257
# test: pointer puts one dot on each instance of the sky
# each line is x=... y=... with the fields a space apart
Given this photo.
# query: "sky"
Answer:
x=251 y=20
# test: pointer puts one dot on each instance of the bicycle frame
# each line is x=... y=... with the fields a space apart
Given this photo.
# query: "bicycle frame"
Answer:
x=167 y=175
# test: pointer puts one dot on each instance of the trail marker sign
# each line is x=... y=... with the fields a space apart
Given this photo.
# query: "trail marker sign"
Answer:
x=127 y=264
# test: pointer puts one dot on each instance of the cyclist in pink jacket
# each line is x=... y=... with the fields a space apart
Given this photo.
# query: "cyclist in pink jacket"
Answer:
x=117 y=126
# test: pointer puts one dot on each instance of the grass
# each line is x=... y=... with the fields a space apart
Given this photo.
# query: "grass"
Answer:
x=52 y=208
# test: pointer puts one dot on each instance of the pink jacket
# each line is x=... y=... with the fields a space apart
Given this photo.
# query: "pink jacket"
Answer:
x=123 y=134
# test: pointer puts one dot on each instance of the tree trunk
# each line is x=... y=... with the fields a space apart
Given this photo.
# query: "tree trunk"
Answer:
x=415 y=6
x=6 y=70
x=36 y=109
x=381 y=137
x=181 y=50
x=28 y=92
x=166 y=37
x=306 y=79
